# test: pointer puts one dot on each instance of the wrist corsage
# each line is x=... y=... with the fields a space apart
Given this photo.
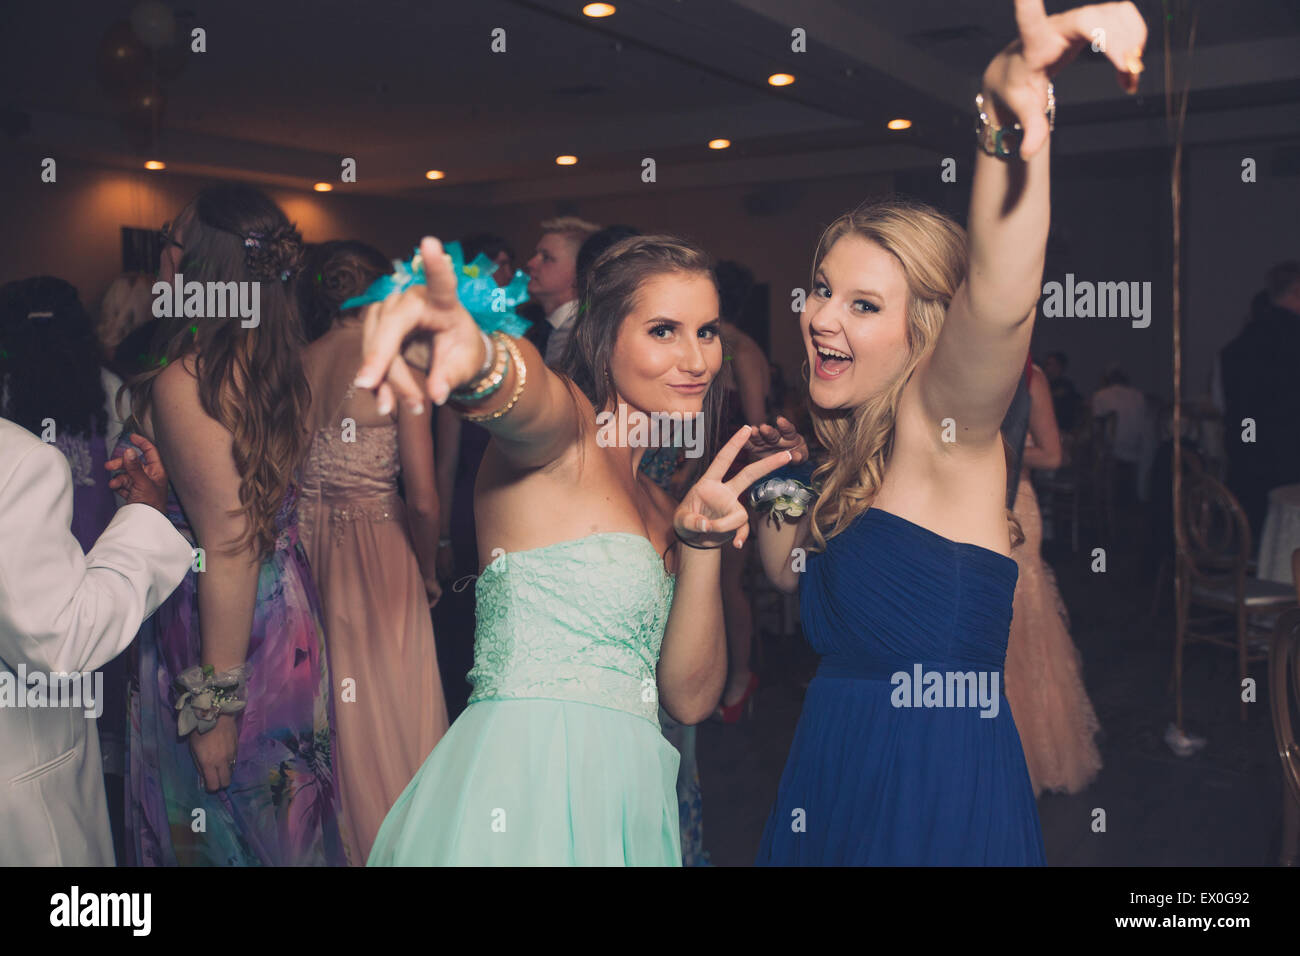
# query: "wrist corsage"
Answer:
x=785 y=498
x=207 y=694
x=492 y=306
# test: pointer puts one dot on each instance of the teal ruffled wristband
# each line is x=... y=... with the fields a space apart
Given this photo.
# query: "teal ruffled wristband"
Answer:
x=492 y=306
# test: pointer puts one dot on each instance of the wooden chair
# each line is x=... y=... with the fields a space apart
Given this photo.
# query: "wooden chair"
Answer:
x=1213 y=557
x=1284 y=696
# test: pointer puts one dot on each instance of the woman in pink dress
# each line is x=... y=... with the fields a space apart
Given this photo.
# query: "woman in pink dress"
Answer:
x=1043 y=675
x=372 y=553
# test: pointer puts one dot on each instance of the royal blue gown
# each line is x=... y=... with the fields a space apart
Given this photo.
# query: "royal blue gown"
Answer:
x=870 y=782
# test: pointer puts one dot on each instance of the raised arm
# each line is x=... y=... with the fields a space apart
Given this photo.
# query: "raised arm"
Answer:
x=543 y=421
x=972 y=372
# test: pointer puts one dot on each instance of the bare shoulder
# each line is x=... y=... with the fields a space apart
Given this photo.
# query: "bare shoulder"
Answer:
x=178 y=382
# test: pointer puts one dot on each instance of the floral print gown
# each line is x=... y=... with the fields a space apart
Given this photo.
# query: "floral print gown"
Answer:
x=281 y=808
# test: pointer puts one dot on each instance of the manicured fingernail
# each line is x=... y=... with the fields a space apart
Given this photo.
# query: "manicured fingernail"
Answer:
x=385 y=406
x=364 y=379
x=417 y=408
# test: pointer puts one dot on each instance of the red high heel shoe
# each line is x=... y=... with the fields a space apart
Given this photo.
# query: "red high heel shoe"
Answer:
x=731 y=714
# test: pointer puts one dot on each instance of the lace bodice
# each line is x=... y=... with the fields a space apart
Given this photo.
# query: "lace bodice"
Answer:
x=580 y=620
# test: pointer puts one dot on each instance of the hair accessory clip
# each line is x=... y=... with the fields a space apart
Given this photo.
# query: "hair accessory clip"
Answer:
x=41 y=316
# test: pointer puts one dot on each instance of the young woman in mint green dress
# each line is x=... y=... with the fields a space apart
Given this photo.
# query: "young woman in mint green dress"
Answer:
x=599 y=598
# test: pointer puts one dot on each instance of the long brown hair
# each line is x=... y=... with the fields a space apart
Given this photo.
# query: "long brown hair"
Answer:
x=931 y=248
x=250 y=379
x=609 y=295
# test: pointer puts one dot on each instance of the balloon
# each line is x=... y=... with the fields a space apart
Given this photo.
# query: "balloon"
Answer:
x=153 y=23
x=122 y=62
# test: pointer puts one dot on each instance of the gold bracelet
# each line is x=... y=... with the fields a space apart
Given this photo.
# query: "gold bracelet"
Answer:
x=521 y=371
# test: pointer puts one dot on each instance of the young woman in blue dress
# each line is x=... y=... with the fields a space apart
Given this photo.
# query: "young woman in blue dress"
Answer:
x=916 y=332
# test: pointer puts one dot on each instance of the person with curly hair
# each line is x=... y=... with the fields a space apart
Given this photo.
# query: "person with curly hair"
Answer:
x=231 y=722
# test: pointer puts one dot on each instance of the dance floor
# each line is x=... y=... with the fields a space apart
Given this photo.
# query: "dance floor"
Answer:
x=1220 y=807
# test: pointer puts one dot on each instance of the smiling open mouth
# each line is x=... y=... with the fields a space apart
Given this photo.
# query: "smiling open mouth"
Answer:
x=831 y=362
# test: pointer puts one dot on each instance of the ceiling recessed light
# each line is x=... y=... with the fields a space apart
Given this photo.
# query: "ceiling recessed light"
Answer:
x=900 y=124
x=566 y=160
x=322 y=187
x=599 y=9
x=434 y=174
x=780 y=79
x=155 y=164
x=719 y=143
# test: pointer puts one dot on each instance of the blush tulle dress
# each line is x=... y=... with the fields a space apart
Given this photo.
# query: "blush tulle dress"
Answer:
x=868 y=783
x=558 y=759
x=1056 y=720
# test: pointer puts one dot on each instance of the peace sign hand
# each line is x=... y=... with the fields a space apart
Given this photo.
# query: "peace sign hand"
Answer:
x=1016 y=80
x=711 y=513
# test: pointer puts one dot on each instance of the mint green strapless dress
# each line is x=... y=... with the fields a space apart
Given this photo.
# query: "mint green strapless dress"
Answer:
x=558 y=759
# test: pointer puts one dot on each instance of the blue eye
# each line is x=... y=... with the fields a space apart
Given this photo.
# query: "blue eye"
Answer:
x=709 y=330
x=868 y=306
x=819 y=287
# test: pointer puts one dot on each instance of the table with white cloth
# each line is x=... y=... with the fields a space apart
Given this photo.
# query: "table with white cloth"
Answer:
x=1281 y=534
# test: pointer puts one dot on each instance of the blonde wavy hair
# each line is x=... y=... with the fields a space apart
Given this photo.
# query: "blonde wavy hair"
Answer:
x=931 y=248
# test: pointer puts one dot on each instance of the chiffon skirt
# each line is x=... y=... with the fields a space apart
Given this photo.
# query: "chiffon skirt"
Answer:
x=536 y=782
x=388 y=704
x=868 y=784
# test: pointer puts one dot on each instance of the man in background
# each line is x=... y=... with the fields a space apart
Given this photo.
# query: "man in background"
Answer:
x=553 y=282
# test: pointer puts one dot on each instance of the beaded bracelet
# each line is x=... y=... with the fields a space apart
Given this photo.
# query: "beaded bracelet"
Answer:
x=521 y=376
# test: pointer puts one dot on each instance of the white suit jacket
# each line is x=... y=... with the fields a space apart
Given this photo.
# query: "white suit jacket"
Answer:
x=63 y=611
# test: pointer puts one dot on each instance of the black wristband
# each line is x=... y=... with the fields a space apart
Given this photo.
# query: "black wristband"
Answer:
x=698 y=547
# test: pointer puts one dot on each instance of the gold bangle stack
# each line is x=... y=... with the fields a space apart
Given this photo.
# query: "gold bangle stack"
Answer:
x=521 y=376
